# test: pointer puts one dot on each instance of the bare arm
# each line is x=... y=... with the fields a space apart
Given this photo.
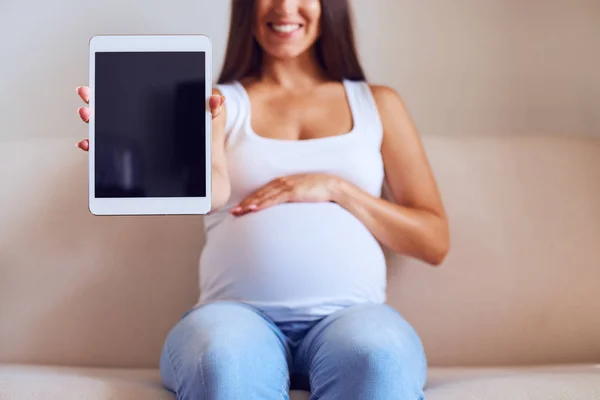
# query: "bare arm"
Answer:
x=415 y=224
x=221 y=188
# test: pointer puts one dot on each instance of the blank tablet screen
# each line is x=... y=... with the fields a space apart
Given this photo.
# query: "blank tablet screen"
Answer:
x=150 y=124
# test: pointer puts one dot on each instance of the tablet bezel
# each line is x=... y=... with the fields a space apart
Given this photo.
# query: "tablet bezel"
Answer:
x=149 y=205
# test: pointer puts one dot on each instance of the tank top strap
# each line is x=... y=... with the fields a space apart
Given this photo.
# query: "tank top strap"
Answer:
x=364 y=109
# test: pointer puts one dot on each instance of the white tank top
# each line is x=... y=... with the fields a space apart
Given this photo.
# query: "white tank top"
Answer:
x=296 y=261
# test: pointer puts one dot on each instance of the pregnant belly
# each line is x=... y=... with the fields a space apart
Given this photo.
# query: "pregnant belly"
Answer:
x=295 y=253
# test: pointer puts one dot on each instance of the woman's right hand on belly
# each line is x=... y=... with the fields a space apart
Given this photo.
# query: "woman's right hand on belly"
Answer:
x=216 y=106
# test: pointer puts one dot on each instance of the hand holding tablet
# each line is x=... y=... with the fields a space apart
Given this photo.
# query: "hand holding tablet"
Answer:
x=150 y=121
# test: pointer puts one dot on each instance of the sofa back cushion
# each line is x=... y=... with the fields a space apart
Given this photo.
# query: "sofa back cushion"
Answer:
x=520 y=285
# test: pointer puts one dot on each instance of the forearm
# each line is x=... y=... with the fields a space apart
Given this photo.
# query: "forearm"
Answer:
x=413 y=232
x=221 y=188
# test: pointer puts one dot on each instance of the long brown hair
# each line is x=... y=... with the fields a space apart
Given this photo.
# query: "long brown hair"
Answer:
x=335 y=48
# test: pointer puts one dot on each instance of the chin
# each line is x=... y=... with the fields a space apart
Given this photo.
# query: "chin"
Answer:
x=285 y=53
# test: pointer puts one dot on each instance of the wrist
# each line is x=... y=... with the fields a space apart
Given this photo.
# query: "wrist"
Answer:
x=221 y=188
x=339 y=190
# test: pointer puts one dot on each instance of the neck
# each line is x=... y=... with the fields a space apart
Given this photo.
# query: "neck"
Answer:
x=296 y=73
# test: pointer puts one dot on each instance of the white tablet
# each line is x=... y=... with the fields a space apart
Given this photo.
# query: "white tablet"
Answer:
x=150 y=125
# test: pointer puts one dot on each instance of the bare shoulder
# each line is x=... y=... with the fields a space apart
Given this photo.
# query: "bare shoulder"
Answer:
x=393 y=111
x=386 y=96
x=390 y=105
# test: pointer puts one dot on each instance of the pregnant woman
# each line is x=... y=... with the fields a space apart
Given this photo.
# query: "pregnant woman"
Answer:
x=293 y=275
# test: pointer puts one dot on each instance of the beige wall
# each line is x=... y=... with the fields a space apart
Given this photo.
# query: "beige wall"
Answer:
x=464 y=66
x=490 y=66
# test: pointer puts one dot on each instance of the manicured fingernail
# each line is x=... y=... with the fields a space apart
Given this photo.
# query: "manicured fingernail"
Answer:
x=252 y=207
x=77 y=145
x=236 y=209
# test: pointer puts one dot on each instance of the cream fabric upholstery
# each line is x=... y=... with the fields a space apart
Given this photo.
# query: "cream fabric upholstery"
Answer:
x=556 y=383
x=520 y=286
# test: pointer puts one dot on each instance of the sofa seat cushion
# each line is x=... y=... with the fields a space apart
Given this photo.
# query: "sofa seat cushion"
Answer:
x=575 y=382
x=28 y=382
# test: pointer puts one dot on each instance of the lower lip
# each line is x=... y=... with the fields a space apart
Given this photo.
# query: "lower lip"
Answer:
x=285 y=35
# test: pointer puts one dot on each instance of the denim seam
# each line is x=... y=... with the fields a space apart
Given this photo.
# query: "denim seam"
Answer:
x=202 y=383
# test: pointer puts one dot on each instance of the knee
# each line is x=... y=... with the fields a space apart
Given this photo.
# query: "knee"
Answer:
x=372 y=359
x=384 y=370
x=221 y=349
x=369 y=352
x=199 y=363
x=217 y=358
x=212 y=352
x=384 y=360
x=220 y=341
x=196 y=370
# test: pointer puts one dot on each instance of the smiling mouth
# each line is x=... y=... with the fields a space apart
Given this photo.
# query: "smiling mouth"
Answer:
x=285 y=28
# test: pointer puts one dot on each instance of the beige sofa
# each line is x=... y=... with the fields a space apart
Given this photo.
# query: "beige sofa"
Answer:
x=514 y=313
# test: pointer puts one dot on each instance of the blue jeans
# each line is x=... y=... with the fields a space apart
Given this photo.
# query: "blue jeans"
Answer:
x=230 y=351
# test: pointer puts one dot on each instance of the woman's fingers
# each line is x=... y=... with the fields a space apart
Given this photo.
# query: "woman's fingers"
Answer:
x=216 y=105
x=84 y=93
x=83 y=145
x=269 y=199
x=258 y=195
x=84 y=114
x=268 y=195
x=248 y=204
x=281 y=197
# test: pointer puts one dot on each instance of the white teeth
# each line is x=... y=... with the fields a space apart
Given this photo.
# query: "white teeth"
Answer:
x=287 y=28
